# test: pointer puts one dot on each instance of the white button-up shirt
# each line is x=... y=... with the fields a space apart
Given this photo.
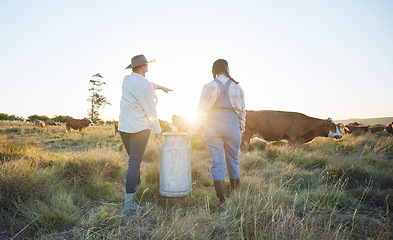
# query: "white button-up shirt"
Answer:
x=138 y=105
x=209 y=95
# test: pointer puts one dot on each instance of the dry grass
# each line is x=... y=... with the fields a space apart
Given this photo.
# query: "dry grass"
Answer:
x=55 y=185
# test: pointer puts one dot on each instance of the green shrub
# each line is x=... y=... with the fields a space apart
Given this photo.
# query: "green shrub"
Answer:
x=253 y=162
x=20 y=183
x=271 y=151
x=10 y=150
x=305 y=179
x=54 y=213
x=102 y=190
x=107 y=217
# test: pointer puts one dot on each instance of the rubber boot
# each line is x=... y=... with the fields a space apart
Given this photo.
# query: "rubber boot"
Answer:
x=235 y=183
x=220 y=190
x=130 y=206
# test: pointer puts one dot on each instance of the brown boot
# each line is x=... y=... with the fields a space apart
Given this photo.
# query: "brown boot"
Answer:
x=220 y=190
x=235 y=183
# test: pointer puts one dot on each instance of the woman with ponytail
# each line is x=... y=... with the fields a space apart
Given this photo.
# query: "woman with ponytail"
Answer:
x=222 y=108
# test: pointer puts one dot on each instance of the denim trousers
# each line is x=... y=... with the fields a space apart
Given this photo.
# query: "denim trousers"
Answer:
x=135 y=145
x=222 y=137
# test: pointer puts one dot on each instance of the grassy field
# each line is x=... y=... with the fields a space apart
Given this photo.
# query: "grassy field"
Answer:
x=55 y=185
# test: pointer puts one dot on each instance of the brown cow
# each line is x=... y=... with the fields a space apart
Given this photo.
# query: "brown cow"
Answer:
x=341 y=127
x=389 y=128
x=50 y=123
x=355 y=124
x=350 y=128
x=116 y=127
x=39 y=123
x=77 y=124
x=292 y=126
x=375 y=129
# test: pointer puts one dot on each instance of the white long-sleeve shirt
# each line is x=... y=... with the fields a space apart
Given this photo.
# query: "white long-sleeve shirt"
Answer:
x=209 y=95
x=138 y=105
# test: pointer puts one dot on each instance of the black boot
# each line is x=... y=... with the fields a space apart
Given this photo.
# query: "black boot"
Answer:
x=234 y=183
x=220 y=190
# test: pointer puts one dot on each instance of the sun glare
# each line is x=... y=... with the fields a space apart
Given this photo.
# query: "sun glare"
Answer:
x=190 y=116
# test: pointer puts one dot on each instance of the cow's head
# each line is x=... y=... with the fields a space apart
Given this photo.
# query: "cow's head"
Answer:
x=334 y=132
x=91 y=123
x=389 y=128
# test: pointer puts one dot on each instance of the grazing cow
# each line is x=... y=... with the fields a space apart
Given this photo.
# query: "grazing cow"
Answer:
x=292 y=126
x=355 y=124
x=116 y=127
x=375 y=129
x=39 y=123
x=389 y=128
x=165 y=126
x=50 y=123
x=350 y=128
x=77 y=124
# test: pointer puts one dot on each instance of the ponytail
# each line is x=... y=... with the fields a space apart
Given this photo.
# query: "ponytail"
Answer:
x=227 y=74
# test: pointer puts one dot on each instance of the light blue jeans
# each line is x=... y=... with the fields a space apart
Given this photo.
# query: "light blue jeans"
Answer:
x=222 y=136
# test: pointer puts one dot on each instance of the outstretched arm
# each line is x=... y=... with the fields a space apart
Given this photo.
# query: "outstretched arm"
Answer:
x=156 y=86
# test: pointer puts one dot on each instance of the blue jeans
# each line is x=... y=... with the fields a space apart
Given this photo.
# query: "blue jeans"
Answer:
x=222 y=136
x=135 y=145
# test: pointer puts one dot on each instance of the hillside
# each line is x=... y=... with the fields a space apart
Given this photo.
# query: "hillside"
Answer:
x=367 y=121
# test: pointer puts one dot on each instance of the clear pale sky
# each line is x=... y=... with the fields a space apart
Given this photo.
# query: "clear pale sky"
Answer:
x=321 y=58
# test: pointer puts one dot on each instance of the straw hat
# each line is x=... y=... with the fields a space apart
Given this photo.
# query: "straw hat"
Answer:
x=139 y=60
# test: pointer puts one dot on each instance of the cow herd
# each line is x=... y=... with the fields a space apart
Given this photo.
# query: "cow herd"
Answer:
x=39 y=123
x=71 y=124
x=265 y=124
x=360 y=127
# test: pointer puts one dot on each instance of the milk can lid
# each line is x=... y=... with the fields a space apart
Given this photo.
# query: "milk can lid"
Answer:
x=174 y=134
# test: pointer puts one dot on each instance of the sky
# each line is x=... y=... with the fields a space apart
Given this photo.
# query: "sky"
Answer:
x=321 y=58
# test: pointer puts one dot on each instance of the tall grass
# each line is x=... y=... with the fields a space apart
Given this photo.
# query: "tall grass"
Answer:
x=71 y=186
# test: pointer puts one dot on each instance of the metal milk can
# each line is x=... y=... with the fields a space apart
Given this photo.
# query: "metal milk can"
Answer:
x=175 y=165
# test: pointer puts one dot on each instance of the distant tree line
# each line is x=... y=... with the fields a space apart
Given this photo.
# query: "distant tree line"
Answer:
x=33 y=118
x=4 y=116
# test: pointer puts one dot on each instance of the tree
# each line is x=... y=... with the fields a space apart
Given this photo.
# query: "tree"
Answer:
x=35 y=117
x=61 y=118
x=96 y=99
x=13 y=117
x=4 y=116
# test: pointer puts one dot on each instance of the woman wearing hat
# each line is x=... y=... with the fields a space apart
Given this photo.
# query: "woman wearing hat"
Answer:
x=222 y=104
x=138 y=117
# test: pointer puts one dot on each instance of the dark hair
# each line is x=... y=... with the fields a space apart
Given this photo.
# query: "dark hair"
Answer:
x=221 y=66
